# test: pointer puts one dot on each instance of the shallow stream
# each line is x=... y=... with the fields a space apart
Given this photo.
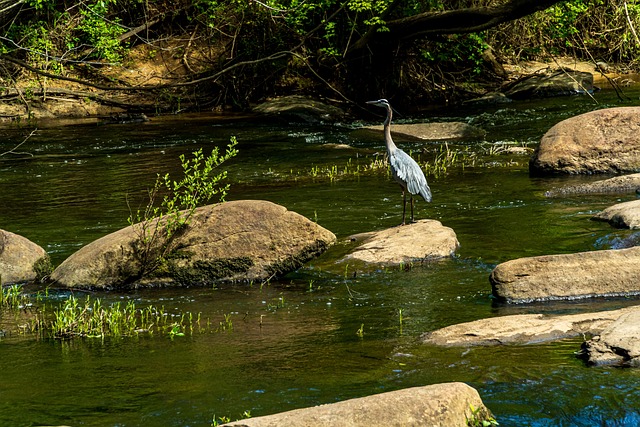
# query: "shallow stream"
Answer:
x=294 y=342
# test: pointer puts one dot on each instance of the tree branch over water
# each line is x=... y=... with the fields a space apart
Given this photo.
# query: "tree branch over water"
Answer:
x=12 y=151
x=467 y=20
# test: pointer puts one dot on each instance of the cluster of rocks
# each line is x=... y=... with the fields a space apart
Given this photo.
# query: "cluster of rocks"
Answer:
x=259 y=240
x=245 y=240
x=603 y=141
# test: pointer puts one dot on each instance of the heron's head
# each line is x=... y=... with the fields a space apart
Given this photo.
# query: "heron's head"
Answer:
x=380 y=103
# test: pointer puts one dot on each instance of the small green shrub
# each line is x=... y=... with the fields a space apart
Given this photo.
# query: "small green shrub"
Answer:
x=156 y=226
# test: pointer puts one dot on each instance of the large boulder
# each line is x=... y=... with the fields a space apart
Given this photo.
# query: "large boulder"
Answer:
x=621 y=215
x=232 y=241
x=618 y=343
x=523 y=329
x=602 y=141
x=426 y=239
x=443 y=405
x=568 y=276
x=617 y=185
x=21 y=260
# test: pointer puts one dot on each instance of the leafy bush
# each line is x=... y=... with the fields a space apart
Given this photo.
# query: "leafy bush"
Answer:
x=157 y=225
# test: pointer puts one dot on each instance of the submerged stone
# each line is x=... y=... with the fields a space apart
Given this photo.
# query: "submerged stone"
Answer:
x=444 y=405
x=620 y=184
x=232 y=241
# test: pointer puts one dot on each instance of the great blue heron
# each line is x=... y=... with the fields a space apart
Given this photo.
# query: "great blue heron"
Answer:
x=404 y=169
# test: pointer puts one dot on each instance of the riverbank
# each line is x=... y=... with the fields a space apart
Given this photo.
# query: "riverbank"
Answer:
x=153 y=84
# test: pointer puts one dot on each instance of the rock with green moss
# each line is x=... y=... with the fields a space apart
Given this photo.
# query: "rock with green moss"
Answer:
x=21 y=260
x=232 y=241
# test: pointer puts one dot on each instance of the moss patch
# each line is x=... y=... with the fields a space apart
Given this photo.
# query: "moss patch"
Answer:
x=43 y=268
x=209 y=272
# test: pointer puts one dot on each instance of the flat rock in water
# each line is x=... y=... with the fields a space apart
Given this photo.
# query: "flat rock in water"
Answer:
x=551 y=83
x=616 y=185
x=622 y=215
x=602 y=141
x=232 y=241
x=426 y=239
x=19 y=258
x=522 y=329
x=618 y=343
x=568 y=276
x=300 y=108
x=442 y=405
x=433 y=131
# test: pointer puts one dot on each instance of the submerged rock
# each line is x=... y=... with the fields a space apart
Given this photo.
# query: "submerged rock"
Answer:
x=618 y=343
x=423 y=240
x=568 y=276
x=522 y=329
x=432 y=131
x=622 y=215
x=240 y=240
x=602 y=141
x=21 y=260
x=443 y=405
x=619 y=184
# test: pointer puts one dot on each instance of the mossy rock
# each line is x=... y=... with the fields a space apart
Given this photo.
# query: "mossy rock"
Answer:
x=233 y=241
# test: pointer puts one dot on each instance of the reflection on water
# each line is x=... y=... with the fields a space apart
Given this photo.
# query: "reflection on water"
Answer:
x=293 y=342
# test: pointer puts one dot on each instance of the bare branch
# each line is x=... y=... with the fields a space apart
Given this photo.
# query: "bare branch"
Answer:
x=12 y=151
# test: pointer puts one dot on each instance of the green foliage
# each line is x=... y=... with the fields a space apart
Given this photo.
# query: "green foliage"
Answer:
x=458 y=51
x=91 y=318
x=564 y=18
x=101 y=32
x=481 y=417
x=12 y=297
x=53 y=31
x=156 y=226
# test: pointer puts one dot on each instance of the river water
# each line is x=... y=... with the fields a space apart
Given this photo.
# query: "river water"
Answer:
x=294 y=342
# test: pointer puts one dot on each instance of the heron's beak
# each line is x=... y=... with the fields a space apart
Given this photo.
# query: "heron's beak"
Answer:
x=370 y=102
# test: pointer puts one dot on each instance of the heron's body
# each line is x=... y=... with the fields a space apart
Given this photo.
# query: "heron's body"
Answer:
x=404 y=169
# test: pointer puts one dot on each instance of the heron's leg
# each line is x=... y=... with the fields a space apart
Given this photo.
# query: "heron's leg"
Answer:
x=412 y=208
x=404 y=205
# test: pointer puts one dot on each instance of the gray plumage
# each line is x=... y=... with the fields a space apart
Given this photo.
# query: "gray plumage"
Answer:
x=404 y=169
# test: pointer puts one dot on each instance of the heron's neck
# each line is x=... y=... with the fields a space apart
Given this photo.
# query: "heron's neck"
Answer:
x=391 y=147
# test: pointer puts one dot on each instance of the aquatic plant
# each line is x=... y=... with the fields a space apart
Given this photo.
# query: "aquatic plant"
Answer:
x=91 y=318
x=360 y=331
x=226 y=324
x=12 y=297
x=481 y=417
